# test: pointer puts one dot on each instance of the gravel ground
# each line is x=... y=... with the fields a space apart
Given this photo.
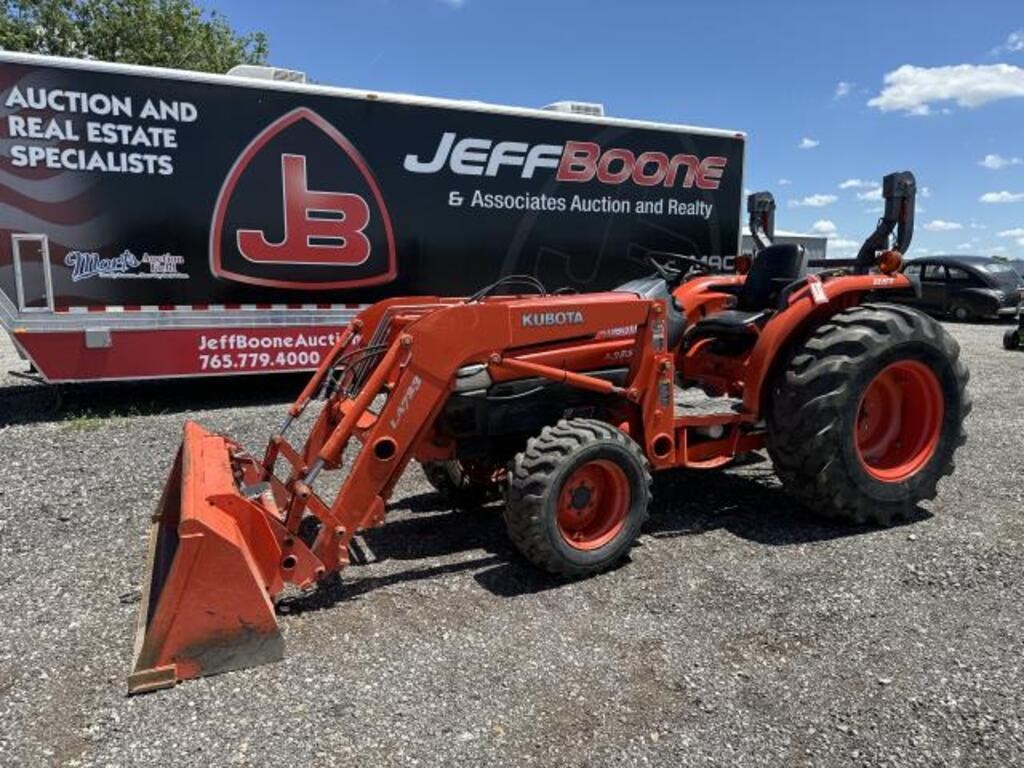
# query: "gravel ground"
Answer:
x=742 y=631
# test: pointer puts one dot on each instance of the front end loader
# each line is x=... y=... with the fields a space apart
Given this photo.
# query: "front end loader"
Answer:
x=564 y=403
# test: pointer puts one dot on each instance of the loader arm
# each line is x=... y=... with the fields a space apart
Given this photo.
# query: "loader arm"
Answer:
x=233 y=529
x=417 y=371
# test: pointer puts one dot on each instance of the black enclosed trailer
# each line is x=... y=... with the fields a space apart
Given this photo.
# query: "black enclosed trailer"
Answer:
x=159 y=223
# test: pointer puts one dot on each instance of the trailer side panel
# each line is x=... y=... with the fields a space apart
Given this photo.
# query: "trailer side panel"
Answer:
x=158 y=196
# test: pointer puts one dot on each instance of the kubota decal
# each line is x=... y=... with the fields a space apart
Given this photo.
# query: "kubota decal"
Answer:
x=574 y=161
x=543 y=319
x=328 y=227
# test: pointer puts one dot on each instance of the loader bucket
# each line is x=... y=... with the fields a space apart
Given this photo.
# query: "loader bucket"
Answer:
x=207 y=603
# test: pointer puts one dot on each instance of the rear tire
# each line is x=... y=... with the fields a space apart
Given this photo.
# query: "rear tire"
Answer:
x=867 y=416
x=1011 y=339
x=458 y=485
x=577 y=497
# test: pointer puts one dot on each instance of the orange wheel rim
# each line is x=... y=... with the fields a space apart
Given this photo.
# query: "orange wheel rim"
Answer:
x=899 y=421
x=593 y=504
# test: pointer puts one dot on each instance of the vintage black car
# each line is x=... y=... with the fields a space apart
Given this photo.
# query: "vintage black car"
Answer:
x=965 y=287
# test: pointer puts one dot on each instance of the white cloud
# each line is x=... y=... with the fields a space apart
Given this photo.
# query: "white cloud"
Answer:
x=856 y=184
x=967 y=246
x=813 y=201
x=806 y=143
x=913 y=89
x=1002 y=197
x=925 y=192
x=784 y=182
x=843 y=89
x=824 y=227
x=938 y=225
x=875 y=193
x=1014 y=44
x=996 y=162
x=1016 y=234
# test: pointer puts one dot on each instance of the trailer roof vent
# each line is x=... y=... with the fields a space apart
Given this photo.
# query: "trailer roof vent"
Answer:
x=589 y=108
x=269 y=73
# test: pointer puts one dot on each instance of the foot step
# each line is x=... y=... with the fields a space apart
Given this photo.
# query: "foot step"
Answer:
x=693 y=401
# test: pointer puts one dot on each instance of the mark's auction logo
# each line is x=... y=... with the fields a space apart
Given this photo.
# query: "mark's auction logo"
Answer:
x=327 y=228
x=88 y=264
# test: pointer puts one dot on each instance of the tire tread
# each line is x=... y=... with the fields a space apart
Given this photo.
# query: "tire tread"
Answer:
x=815 y=388
x=532 y=479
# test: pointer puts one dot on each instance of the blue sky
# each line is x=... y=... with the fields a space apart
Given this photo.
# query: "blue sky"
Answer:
x=831 y=94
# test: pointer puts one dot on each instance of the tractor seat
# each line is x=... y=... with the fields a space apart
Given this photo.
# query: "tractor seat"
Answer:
x=730 y=322
x=774 y=268
x=655 y=287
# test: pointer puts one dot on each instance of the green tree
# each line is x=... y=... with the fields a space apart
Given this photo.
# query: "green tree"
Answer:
x=162 y=33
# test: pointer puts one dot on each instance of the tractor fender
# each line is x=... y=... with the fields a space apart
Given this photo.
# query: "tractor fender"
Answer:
x=792 y=325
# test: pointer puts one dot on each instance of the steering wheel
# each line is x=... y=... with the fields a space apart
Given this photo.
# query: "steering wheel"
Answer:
x=664 y=263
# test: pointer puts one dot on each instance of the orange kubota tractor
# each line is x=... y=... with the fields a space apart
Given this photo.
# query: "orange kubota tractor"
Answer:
x=567 y=402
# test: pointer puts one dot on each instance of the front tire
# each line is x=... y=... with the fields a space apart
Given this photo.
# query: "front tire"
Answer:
x=869 y=413
x=577 y=497
x=1011 y=339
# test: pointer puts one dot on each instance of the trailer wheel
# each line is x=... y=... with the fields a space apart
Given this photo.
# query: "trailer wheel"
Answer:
x=1011 y=339
x=867 y=416
x=577 y=497
x=465 y=487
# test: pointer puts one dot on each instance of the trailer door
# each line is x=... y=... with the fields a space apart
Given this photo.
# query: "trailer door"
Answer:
x=32 y=278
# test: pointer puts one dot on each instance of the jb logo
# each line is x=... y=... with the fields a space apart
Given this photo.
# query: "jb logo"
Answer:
x=319 y=227
x=300 y=208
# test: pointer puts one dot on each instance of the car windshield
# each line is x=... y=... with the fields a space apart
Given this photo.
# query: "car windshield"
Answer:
x=995 y=267
x=1002 y=273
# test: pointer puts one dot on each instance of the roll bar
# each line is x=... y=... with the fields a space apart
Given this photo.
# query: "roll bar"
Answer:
x=761 y=207
x=900 y=192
